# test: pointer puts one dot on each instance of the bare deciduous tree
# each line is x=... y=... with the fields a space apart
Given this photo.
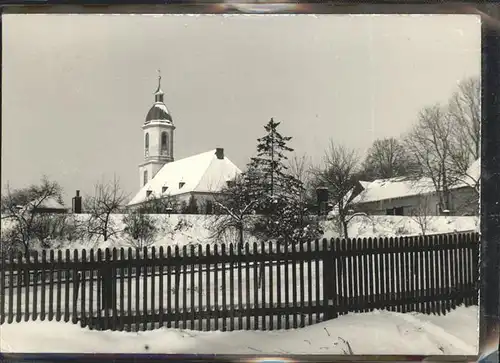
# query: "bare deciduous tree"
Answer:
x=21 y=207
x=429 y=144
x=299 y=166
x=446 y=141
x=387 y=158
x=423 y=213
x=235 y=205
x=465 y=113
x=338 y=173
x=140 y=229
x=107 y=200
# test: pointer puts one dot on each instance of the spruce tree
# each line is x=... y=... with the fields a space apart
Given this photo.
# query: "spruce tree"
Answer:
x=277 y=192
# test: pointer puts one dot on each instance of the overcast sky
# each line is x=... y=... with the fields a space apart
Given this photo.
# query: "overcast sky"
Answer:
x=76 y=88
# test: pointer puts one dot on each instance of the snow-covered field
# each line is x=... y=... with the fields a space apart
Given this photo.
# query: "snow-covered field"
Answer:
x=378 y=332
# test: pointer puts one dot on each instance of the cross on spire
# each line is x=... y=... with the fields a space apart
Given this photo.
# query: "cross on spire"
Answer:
x=159 y=92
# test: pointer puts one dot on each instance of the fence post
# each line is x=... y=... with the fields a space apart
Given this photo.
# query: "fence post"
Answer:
x=329 y=280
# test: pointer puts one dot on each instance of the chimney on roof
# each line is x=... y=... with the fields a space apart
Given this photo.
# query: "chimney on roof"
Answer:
x=77 y=203
x=220 y=153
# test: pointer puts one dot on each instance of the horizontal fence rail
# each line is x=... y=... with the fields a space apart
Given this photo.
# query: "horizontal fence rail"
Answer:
x=233 y=287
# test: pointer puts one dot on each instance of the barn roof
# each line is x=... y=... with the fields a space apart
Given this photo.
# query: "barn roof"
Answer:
x=384 y=189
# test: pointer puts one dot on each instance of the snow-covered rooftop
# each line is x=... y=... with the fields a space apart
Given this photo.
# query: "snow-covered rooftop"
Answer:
x=383 y=189
x=200 y=173
x=473 y=173
x=47 y=203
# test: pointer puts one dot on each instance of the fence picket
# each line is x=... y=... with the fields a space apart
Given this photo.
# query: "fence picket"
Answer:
x=3 y=288
x=262 y=285
x=76 y=286
x=248 y=277
x=309 y=286
x=392 y=271
x=460 y=262
x=354 y=289
x=422 y=273
x=301 y=284
x=441 y=276
x=397 y=273
x=294 y=284
x=255 y=286
x=318 y=281
x=177 y=288
x=153 y=264
x=453 y=270
x=192 y=288
x=208 y=287
x=169 y=288
x=145 y=265
x=161 y=264
x=270 y=251
x=231 y=287
x=11 y=285
x=83 y=288
x=223 y=288
x=92 y=262
x=51 y=286
x=27 y=274
x=386 y=271
x=240 y=287
x=184 y=289
x=216 y=287
x=35 y=290
x=200 y=288
x=122 y=291
x=58 y=266
x=366 y=276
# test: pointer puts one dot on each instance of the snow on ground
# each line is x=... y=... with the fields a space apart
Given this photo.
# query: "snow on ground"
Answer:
x=378 y=332
x=387 y=226
x=184 y=230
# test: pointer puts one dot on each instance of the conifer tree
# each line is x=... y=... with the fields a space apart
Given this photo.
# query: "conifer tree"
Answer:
x=277 y=191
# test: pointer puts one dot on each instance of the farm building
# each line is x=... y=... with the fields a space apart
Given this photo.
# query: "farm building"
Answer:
x=401 y=196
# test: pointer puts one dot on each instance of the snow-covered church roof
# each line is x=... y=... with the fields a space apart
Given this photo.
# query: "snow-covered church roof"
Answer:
x=203 y=172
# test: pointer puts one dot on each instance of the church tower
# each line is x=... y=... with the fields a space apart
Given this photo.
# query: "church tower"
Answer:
x=158 y=138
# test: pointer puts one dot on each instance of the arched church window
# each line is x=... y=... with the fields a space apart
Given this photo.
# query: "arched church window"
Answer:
x=145 y=177
x=164 y=143
x=146 y=145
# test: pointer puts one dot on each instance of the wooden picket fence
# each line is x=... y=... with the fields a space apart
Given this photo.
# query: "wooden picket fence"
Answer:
x=259 y=286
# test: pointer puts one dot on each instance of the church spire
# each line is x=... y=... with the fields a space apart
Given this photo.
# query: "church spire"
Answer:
x=159 y=92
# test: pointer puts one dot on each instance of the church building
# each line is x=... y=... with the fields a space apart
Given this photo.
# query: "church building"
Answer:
x=199 y=176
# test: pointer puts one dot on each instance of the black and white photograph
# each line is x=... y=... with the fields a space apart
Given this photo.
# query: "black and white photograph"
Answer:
x=240 y=184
